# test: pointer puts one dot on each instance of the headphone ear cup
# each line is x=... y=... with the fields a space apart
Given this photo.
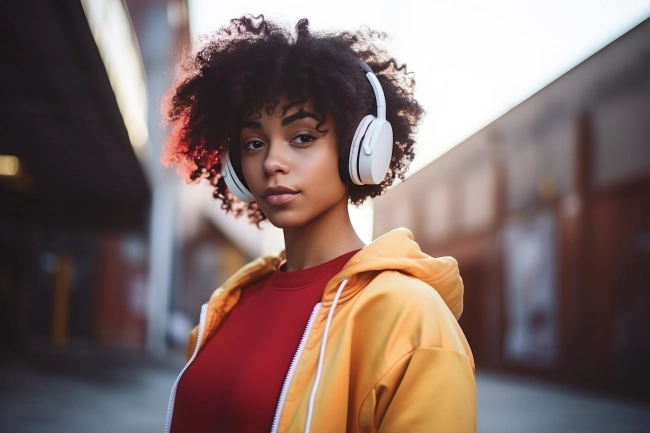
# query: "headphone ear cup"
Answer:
x=375 y=152
x=234 y=184
x=355 y=148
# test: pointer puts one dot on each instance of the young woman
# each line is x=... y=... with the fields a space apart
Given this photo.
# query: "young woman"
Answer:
x=332 y=335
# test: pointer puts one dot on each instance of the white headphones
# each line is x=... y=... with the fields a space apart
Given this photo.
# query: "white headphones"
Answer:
x=370 y=152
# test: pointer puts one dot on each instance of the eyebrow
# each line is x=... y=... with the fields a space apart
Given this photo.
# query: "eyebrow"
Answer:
x=301 y=114
x=250 y=124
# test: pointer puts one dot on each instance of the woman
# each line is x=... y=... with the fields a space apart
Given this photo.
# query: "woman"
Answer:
x=333 y=335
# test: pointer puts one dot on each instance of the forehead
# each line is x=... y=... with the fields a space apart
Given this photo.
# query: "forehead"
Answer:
x=280 y=110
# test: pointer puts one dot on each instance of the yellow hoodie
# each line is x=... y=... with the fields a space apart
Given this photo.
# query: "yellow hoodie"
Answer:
x=382 y=352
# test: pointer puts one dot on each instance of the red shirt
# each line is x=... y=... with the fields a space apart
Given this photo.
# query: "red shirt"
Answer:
x=234 y=383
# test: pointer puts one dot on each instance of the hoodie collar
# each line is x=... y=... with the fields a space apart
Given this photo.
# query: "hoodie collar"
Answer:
x=396 y=250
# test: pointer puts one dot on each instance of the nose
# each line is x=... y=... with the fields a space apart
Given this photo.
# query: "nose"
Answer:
x=276 y=161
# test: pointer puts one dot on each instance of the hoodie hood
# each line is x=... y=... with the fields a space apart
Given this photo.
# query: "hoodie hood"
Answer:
x=396 y=250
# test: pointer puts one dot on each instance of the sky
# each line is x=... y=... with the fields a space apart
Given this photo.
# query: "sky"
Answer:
x=473 y=60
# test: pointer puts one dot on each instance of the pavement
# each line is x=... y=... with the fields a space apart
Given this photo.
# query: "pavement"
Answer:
x=85 y=389
x=509 y=404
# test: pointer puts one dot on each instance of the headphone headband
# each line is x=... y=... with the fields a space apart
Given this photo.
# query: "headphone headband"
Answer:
x=376 y=88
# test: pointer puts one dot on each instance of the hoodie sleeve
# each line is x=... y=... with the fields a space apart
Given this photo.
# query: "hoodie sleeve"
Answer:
x=428 y=390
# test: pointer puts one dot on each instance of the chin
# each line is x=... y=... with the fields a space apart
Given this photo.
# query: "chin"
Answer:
x=300 y=214
x=286 y=221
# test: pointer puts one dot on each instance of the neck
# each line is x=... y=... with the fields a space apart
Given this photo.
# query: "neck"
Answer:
x=321 y=240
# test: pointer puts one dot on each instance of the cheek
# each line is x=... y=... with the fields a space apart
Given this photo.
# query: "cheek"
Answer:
x=323 y=171
x=333 y=166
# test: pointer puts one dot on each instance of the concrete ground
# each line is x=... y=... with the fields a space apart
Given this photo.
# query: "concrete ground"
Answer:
x=507 y=404
x=85 y=390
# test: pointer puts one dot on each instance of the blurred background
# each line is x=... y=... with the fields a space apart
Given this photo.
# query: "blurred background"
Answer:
x=533 y=170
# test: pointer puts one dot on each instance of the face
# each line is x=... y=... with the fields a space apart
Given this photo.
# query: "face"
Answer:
x=291 y=167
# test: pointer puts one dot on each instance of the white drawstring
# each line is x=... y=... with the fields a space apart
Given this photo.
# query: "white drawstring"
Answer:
x=321 y=357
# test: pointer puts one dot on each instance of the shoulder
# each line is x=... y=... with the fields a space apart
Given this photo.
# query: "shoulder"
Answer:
x=404 y=291
x=248 y=274
x=402 y=306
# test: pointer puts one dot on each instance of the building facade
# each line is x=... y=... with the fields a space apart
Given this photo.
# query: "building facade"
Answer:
x=547 y=210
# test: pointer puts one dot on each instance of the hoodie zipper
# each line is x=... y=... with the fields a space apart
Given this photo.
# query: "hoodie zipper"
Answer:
x=292 y=367
x=172 y=397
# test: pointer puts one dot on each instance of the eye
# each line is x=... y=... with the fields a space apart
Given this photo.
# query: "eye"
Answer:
x=303 y=139
x=253 y=145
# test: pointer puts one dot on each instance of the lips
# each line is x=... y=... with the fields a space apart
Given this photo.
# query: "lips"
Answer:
x=278 y=195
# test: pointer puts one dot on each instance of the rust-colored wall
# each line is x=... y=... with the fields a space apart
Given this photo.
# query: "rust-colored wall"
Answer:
x=618 y=278
x=121 y=292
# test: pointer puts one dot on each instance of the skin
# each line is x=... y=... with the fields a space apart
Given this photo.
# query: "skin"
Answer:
x=290 y=151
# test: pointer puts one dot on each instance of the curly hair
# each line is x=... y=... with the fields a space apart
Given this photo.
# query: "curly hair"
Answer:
x=254 y=64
